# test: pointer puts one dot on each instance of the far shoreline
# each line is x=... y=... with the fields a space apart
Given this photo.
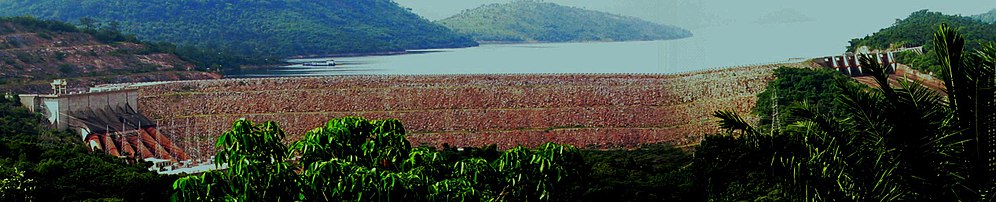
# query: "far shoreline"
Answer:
x=357 y=54
x=481 y=43
x=587 y=41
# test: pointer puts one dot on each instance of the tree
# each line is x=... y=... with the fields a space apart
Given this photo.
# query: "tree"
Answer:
x=14 y=186
x=970 y=81
x=88 y=23
x=354 y=159
x=887 y=143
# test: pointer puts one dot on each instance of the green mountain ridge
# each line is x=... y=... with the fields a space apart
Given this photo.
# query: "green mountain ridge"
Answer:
x=918 y=29
x=537 y=21
x=257 y=27
x=988 y=17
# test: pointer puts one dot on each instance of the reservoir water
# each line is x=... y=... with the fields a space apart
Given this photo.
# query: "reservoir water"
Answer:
x=712 y=47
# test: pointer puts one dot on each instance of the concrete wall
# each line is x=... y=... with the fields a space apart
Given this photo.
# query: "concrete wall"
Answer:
x=850 y=64
x=54 y=107
x=98 y=100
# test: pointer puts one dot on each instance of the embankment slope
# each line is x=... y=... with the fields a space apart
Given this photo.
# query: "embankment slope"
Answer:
x=593 y=111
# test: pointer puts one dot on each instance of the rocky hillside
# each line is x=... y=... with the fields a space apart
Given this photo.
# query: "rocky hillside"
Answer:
x=33 y=52
x=537 y=21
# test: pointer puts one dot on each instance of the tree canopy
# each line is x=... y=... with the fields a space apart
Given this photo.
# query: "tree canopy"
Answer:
x=37 y=164
x=916 y=30
x=891 y=143
x=354 y=159
x=260 y=27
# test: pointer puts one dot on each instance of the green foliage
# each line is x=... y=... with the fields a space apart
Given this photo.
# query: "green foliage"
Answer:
x=970 y=81
x=795 y=86
x=31 y=24
x=727 y=168
x=650 y=173
x=14 y=186
x=892 y=143
x=203 y=57
x=54 y=166
x=259 y=28
x=527 y=21
x=926 y=62
x=353 y=159
x=916 y=30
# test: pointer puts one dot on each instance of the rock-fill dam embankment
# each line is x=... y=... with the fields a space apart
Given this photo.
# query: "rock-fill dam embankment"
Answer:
x=586 y=110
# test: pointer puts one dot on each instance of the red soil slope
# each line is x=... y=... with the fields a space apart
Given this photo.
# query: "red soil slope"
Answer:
x=31 y=57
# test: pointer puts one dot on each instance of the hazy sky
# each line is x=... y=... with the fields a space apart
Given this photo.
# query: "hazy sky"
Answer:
x=704 y=13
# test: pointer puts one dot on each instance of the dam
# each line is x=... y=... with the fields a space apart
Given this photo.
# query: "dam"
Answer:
x=598 y=111
x=175 y=124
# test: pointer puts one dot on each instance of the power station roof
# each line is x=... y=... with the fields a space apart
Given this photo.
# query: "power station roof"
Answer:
x=109 y=119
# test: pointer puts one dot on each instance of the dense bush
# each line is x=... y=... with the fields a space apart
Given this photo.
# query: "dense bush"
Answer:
x=42 y=165
x=353 y=159
x=890 y=143
x=794 y=86
x=658 y=172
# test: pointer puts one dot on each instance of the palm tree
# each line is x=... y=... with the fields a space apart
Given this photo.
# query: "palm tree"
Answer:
x=890 y=143
x=970 y=81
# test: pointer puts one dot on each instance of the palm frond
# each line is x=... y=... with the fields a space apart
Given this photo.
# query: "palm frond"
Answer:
x=970 y=86
x=879 y=72
x=731 y=121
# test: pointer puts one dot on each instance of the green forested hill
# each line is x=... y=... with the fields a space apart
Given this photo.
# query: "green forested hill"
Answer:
x=274 y=27
x=918 y=29
x=536 y=21
x=988 y=17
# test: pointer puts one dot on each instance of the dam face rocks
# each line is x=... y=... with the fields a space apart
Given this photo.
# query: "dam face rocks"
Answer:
x=593 y=111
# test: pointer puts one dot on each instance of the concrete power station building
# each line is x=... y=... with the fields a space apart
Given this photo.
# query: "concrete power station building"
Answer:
x=107 y=120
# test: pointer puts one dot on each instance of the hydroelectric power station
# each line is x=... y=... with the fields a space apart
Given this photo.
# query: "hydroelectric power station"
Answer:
x=107 y=120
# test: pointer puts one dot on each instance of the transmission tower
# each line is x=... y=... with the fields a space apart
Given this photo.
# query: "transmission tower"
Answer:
x=774 y=112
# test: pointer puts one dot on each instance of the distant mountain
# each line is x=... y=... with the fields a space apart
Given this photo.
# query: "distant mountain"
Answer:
x=33 y=52
x=537 y=21
x=919 y=27
x=988 y=17
x=273 y=27
x=783 y=16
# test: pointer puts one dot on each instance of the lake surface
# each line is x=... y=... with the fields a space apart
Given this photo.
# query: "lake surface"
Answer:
x=713 y=47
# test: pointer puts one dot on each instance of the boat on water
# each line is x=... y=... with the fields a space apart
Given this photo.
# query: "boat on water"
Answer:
x=329 y=62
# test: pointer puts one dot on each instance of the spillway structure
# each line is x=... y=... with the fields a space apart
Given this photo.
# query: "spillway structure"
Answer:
x=850 y=63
